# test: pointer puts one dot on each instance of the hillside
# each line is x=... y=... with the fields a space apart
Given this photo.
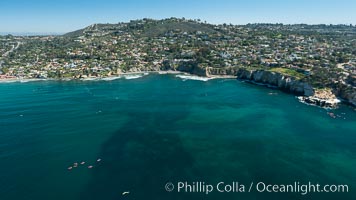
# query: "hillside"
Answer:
x=146 y=27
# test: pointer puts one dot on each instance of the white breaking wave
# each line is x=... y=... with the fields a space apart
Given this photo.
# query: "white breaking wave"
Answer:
x=132 y=76
x=191 y=77
x=31 y=80
x=90 y=79
x=9 y=81
x=111 y=78
x=126 y=76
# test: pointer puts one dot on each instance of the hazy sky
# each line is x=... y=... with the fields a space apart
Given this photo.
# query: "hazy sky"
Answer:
x=68 y=15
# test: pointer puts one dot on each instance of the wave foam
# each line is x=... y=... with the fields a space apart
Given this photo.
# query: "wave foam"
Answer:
x=191 y=77
x=132 y=76
x=89 y=79
x=111 y=78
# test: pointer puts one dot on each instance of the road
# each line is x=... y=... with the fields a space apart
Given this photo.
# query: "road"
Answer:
x=8 y=52
x=12 y=49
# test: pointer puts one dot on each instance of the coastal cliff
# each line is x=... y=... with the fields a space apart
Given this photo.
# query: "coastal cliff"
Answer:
x=192 y=68
x=347 y=93
x=283 y=82
x=307 y=94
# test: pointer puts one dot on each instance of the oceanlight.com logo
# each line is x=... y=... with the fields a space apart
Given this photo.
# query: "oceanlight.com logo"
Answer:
x=261 y=187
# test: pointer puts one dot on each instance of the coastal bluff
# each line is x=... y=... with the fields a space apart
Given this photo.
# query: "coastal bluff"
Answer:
x=308 y=94
x=347 y=93
x=282 y=82
x=305 y=91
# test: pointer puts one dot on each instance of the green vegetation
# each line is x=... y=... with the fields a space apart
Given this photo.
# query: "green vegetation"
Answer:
x=288 y=72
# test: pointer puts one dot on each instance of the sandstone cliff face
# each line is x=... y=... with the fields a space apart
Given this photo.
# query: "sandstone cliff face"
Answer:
x=347 y=93
x=285 y=83
x=192 y=68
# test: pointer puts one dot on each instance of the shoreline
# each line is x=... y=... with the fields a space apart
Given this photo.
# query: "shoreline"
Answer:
x=17 y=79
x=113 y=77
x=184 y=76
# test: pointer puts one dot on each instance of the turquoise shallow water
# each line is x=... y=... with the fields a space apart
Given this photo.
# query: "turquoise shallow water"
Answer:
x=160 y=129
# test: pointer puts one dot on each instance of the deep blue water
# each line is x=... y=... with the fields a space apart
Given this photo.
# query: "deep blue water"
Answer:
x=159 y=129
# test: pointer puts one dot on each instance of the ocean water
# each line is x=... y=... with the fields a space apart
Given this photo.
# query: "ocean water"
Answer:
x=158 y=129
